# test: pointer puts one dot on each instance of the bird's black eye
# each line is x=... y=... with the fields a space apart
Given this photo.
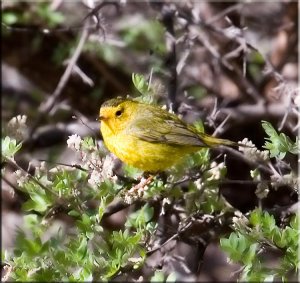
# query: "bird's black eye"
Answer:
x=118 y=113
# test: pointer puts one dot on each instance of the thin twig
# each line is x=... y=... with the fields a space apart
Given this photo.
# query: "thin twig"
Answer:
x=50 y=102
x=47 y=106
x=114 y=208
x=14 y=164
x=256 y=111
x=248 y=161
x=9 y=183
x=288 y=110
x=224 y=13
x=35 y=30
x=170 y=239
x=83 y=76
x=168 y=14
x=76 y=166
x=219 y=128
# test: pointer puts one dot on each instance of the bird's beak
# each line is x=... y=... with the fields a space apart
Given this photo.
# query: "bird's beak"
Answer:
x=101 y=118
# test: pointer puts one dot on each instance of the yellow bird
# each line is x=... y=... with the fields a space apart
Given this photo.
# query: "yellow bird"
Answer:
x=149 y=137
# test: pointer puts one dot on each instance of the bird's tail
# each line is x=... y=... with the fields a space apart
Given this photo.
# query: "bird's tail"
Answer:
x=212 y=141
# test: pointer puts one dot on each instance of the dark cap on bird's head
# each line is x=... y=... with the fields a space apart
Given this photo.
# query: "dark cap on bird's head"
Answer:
x=114 y=102
x=114 y=107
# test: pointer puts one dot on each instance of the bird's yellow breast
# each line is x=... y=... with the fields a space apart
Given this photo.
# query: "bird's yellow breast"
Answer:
x=147 y=156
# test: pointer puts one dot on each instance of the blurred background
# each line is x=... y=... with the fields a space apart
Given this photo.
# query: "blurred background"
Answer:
x=230 y=64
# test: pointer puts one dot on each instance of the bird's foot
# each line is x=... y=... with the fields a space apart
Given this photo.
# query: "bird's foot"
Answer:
x=138 y=190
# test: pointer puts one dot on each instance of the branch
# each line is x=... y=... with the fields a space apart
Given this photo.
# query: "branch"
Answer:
x=168 y=14
x=225 y=12
x=48 y=105
x=50 y=102
x=257 y=111
x=242 y=157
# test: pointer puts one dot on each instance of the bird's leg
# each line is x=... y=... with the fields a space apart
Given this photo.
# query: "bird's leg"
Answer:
x=144 y=181
x=137 y=191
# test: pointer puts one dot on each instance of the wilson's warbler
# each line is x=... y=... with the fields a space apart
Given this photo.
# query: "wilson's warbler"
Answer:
x=148 y=137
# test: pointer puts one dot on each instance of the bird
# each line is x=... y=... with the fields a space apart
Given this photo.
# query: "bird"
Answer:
x=148 y=137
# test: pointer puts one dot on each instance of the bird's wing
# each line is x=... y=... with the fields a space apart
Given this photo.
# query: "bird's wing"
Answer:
x=158 y=126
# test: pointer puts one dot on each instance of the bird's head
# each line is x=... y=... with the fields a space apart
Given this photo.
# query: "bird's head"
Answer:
x=117 y=113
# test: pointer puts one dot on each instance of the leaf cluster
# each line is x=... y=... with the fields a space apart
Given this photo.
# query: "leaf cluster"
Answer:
x=279 y=144
x=249 y=242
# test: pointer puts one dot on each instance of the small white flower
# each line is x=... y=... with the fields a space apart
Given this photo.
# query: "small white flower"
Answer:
x=40 y=169
x=252 y=152
x=128 y=199
x=95 y=160
x=95 y=178
x=239 y=220
x=74 y=142
x=54 y=170
x=18 y=120
x=199 y=184
x=17 y=127
x=288 y=179
x=135 y=259
x=75 y=192
x=114 y=178
x=43 y=166
x=107 y=168
x=215 y=171
x=262 y=190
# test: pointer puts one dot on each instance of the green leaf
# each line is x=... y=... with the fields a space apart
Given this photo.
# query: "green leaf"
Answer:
x=279 y=144
x=269 y=278
x=132 y=172
x=230 y=246
x=102 y=207
x=141 y=217
x=294 y=149
x=143 y=87
x=294 y=223
x=31 y=220
x=10 y=147
x=82 y=249
x=290 y=236
x=158 y=277
x=278 y=238
x=140 y=83
x=88 y=144
x=52 y=17
x=9 y=18
x=39 y=201
x=74 y=213
x=268 y=222
x=250 y=254
x=171 y=277
x=31 y=247
x=255 y=173
x=225 y=244
x=242 y=243
x=270 y=131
